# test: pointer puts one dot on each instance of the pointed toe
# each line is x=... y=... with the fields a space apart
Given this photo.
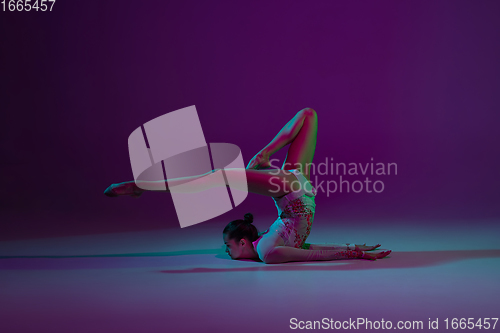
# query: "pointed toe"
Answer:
x=110 y=193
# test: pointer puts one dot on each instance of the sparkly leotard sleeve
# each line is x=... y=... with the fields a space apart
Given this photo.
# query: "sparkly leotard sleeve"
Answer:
x=285 y=239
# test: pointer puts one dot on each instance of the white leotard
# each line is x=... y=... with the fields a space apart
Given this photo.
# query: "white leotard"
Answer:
x=296 y=213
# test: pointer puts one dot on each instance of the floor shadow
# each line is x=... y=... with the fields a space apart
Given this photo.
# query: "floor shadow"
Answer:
x=414 y=259
x=197 y=259
x=145 y=254
x=111 y=261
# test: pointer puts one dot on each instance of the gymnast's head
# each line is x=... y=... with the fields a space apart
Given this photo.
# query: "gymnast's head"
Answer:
x=238 y=236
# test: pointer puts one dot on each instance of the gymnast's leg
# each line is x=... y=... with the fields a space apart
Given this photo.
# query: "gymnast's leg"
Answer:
x=273 y=182
x=300 y=132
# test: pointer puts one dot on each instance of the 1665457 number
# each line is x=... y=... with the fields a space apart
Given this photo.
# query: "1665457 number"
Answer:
x=27 y=5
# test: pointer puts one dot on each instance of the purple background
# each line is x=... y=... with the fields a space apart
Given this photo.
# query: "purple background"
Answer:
x=415 y=83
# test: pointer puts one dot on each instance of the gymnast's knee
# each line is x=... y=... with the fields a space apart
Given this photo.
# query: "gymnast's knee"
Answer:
x=309 y=112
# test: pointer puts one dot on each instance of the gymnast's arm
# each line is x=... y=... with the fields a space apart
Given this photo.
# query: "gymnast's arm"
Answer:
x=280 y=254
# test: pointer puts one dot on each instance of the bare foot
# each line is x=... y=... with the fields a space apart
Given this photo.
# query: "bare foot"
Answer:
x=260 y=161
x=365 y=247
x=126 y=188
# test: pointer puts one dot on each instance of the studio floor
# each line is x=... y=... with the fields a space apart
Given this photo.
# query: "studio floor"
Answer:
x=181 y=280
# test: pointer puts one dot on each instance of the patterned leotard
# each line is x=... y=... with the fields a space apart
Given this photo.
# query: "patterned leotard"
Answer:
x=295 y=213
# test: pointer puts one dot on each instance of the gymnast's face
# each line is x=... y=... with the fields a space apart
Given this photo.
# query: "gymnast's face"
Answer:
x=233 y=247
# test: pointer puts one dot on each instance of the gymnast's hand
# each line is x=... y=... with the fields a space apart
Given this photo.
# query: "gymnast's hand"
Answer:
x=260 y=161
x=373 y=255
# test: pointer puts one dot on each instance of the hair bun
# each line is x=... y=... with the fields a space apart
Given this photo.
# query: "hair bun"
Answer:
x=248 y=217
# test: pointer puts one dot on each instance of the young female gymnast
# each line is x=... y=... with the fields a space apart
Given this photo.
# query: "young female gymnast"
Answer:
x=292 y=191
